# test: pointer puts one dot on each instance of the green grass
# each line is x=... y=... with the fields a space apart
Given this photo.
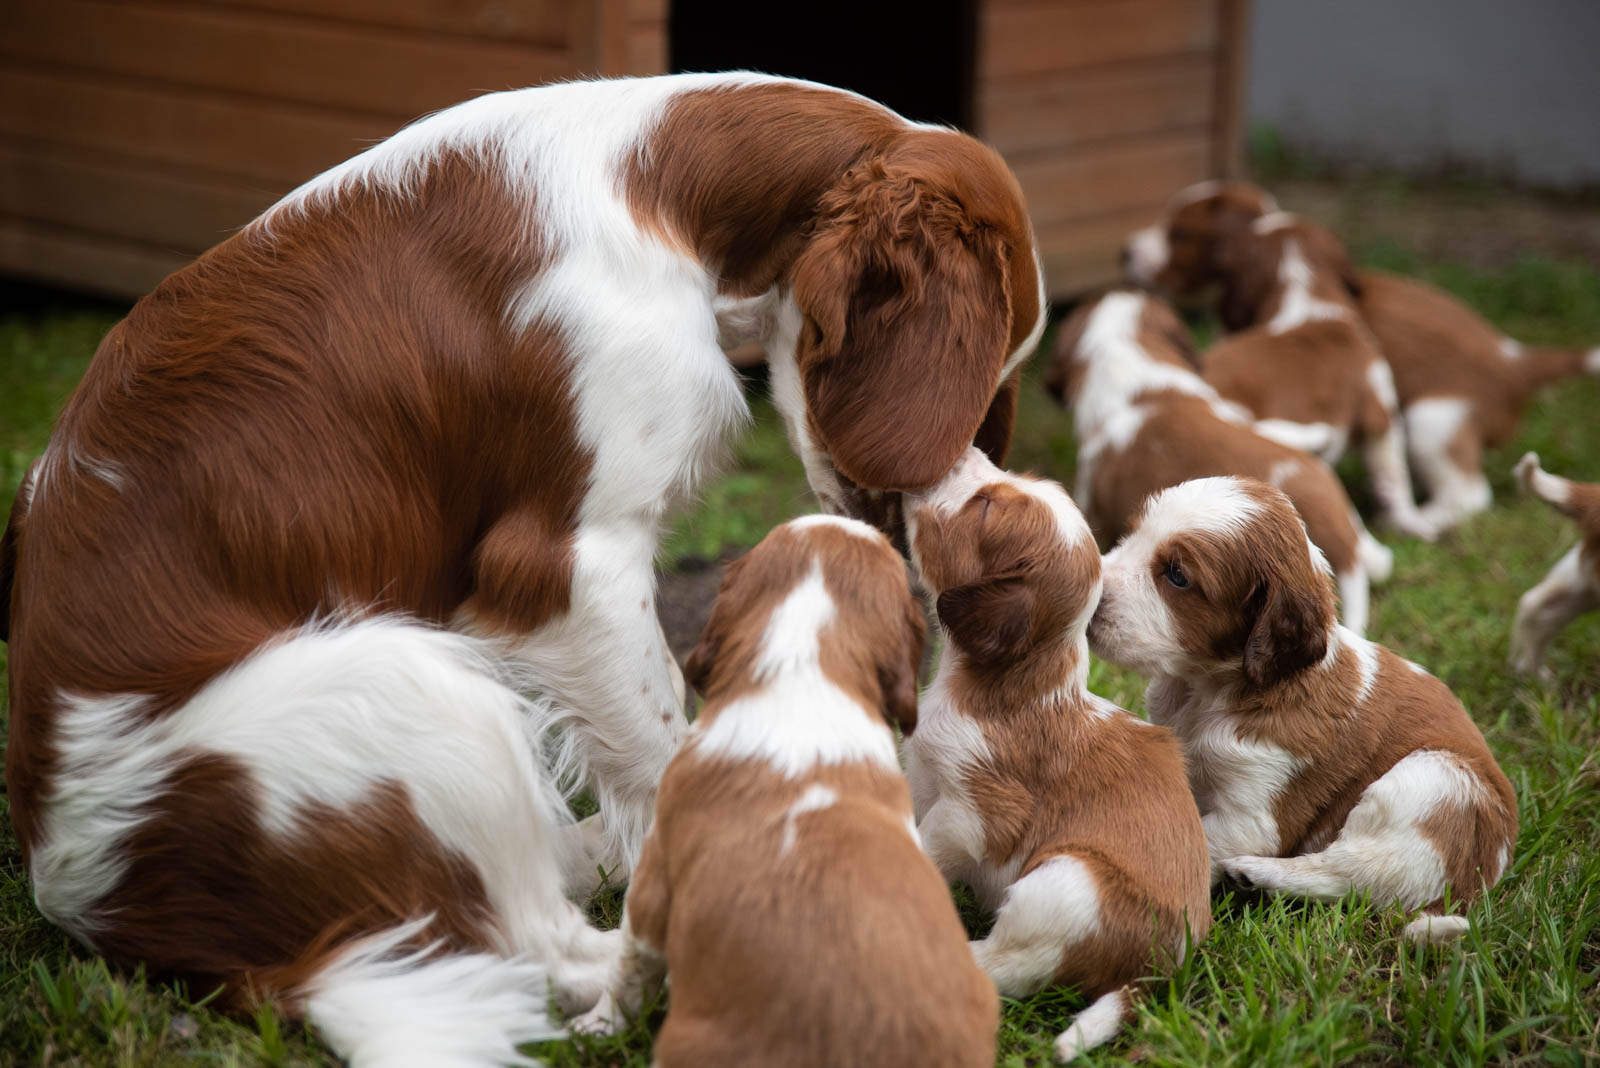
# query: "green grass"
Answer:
x=1276 y=982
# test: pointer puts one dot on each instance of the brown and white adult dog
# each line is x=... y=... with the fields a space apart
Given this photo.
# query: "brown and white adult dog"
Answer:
x=1062 y=811
x=1462 y=384
x=1303 y=360
x=782 y=887
x=1145 y=420
x=330 y=497
x=1322 y=762
x=1573 y=586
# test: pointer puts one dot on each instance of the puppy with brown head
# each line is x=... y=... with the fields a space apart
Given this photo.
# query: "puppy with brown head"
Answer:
x=782 y=885
x=1145 y=421
x=1462 y=383
x=1304 y=361
x=1322 y=763
x=1061 y=809
x=1573 y=586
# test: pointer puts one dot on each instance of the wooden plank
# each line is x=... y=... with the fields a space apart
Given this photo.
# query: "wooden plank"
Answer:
x=373 y=70
x=278 y=147
x=102 y=265
x=1077 y=184
x=649 y=10
x=544 y=22
x=1081 y=106
x=1036 y=39
x=647 y=48
x=117 y=199
x=1081 y=254
x=1231 y=70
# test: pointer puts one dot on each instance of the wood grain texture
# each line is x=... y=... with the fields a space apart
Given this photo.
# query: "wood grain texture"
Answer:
x=1039 y=38
x=104 y=265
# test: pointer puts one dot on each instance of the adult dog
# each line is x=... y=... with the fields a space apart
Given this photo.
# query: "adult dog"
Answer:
x=332 y=497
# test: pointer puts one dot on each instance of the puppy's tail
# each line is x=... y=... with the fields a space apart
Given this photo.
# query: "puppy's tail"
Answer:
x=1096 y=1025
x=1540 y=365
x=1432 y=929
x=1560 y=493
x=381 y=1000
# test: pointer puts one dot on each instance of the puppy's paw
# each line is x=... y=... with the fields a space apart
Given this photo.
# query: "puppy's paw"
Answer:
x=1525 y=470
x=1414 y=524
x=604 y=1019
x=1245 y=873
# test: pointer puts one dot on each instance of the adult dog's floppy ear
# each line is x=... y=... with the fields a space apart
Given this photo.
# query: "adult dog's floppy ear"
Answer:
x=1290 y=633
x=907 y=315
x=897 y=673
x=991 y=619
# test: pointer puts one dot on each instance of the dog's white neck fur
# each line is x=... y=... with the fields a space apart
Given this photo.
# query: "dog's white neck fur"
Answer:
x=1118 y=369
x=1296 y=305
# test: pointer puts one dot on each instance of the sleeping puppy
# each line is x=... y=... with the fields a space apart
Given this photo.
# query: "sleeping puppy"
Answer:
x=1462 y=383
x=1322 y=762
x=782 y=885
x=1573 y=585
x=1062 y=809
x=1145 y=421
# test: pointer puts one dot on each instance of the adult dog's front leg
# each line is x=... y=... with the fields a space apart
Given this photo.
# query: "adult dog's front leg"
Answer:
x=617 y=691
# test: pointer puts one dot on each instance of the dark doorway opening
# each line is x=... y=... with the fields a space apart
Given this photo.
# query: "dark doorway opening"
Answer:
x=915 y=58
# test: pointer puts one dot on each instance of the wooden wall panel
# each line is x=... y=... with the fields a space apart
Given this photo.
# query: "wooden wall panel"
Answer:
x=1040 y=38
x=83 y=261
x=544 y=22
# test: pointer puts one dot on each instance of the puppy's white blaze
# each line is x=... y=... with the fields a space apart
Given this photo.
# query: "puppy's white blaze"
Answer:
x=378 y=1004
x=323 y=716
x=793 y=638
x=1094 y=1026
x=850 y=526
x=1433 y=930
x=1380 y=376
x=815 y=798
x=1511 y=349
x=1297 y=305
x=1147 y=254
x=1219 y=505
x=1069 y=521
x=1052 y=908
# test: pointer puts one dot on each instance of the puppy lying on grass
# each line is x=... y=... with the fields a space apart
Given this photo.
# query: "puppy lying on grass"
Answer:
x=782 y=886
x=1066 y=812
x=1322 y=762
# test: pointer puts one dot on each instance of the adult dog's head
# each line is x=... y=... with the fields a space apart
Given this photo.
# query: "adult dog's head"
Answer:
x=916 y=298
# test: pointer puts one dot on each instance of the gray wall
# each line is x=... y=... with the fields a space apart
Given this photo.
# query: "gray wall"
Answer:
x=1510 y=88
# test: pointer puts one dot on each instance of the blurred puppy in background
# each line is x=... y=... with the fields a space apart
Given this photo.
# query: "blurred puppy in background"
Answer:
x=1061 y=810
x=1145 y=420
x=1322 y=763
x=1573 y=586
x=782 y=886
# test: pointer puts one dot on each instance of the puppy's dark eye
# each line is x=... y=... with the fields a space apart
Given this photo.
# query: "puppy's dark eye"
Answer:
x=1176 y=576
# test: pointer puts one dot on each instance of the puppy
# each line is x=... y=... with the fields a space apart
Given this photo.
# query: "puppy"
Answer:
x=1064 y=810
x=1573 y=585
x=1462 y=383
x=782 y=885
x=1145 y=421
x=1322 y=762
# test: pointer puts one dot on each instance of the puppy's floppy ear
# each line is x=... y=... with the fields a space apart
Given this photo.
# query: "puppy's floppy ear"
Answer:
x=991 y=619
x=907 y=314
x=703 y=657
x=1290 y=632
x=897 y=673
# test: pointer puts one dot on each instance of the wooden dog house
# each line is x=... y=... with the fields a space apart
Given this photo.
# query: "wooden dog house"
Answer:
x=134 y=135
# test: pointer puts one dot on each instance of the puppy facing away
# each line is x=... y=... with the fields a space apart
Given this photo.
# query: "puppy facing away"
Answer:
x=1322 y=762
x=782 y=885
x=1462 y=383
x=1573 y=586
x=1145 y=421
x=1069 y=814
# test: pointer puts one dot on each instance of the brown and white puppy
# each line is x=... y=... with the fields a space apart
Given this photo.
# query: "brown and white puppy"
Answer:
x=1303 y=362
x=1145 y=420
x=782 y=886
x=1322 y=762
x=1573 y=586
x=1061 y=810
x=1462 y=384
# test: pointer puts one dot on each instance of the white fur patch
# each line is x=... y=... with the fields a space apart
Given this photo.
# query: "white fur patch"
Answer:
x=816 y=798
x=1296 y=304
x=850 y=526
x=1046 y=912
x=1591 y=362
x=1094 y=1026
x=1147 y=253
x=1380 y=377
x=1318 y=439
x=1434 y=930
x=1511 y=349
x=1366 y=656
x=1118 y=368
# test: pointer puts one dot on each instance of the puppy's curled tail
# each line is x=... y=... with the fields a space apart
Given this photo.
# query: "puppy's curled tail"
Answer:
x=1095 y=1025
x=1552 y=489
x=381 y=1001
